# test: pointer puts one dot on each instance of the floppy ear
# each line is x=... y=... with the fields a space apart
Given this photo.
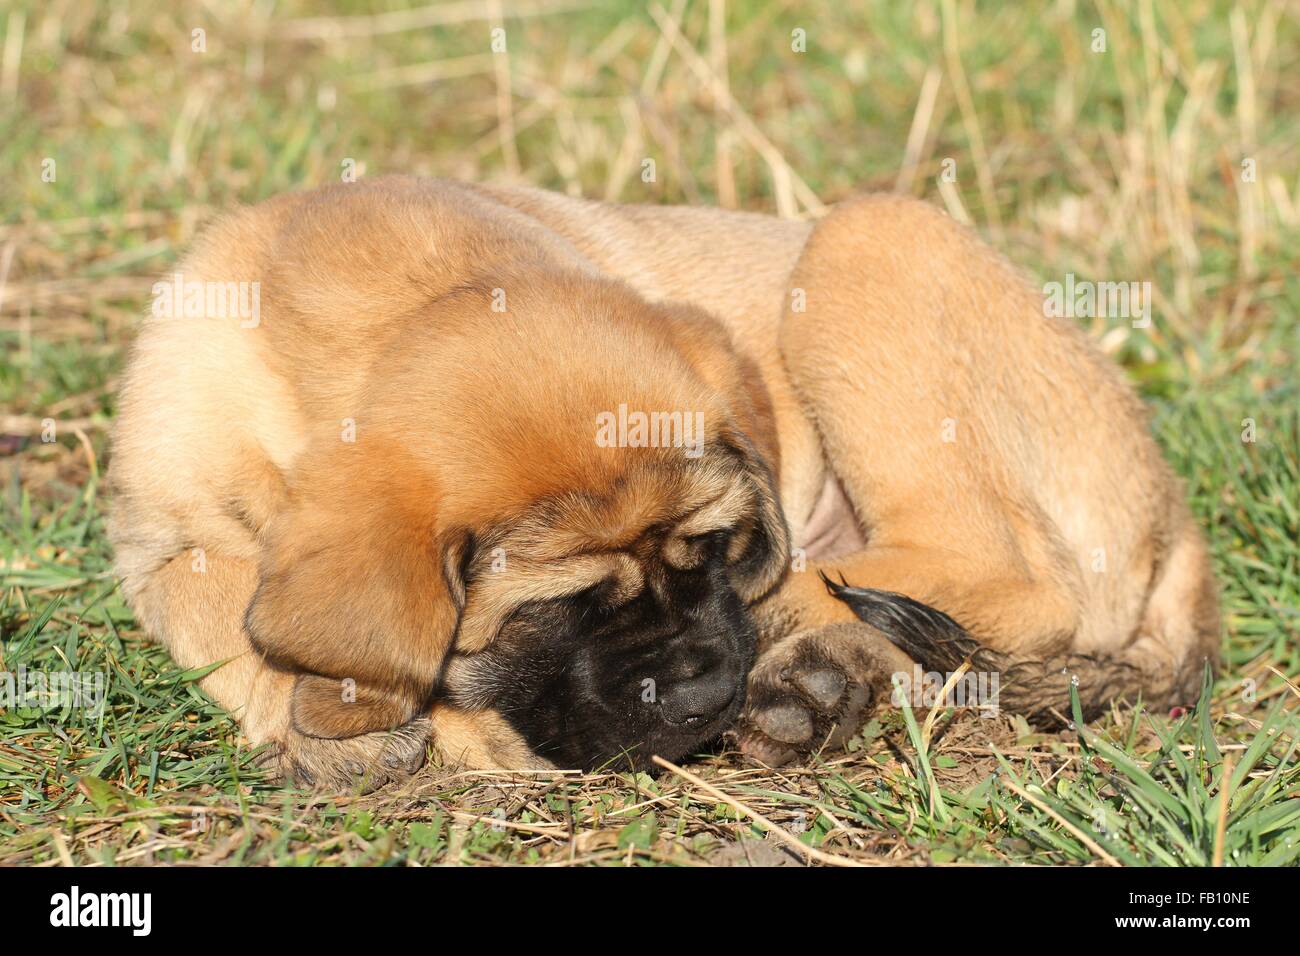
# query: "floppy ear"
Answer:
x=763 y=552
x=750 y=439
x=704 y=343
x=359 y=591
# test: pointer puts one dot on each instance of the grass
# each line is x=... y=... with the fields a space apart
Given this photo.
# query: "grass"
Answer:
x=1118 y=165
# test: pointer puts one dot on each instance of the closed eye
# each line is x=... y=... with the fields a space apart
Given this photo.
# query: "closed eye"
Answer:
x=694 y=550
x=603 y=597
x=708 y=544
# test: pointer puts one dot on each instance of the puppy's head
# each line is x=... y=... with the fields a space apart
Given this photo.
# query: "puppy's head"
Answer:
x=606 y=624
x=558 y=512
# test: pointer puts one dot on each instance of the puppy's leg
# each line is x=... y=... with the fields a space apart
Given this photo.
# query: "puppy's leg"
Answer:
x=829 y=655
x=831 y=652
x=196 y=609
x=1010 y=612
x=991 y=455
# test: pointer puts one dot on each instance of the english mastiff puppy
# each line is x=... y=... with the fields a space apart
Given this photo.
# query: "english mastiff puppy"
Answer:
x=529 y=481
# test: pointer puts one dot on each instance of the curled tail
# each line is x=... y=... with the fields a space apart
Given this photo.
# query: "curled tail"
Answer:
x=1037 y=689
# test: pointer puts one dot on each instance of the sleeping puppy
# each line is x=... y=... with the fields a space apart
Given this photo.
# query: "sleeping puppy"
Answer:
x=541 y=482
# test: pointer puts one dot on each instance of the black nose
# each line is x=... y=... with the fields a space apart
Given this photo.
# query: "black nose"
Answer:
x=700 y=698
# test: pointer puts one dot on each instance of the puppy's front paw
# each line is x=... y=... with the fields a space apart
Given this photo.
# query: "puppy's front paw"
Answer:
x=815 y=688
x=367 y=761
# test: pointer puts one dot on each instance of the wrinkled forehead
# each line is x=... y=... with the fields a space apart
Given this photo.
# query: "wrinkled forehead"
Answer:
x=585 y=537
x=663 y=496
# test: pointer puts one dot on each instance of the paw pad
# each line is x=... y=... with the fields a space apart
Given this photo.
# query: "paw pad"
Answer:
x=823 y=688
x=788 y=723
